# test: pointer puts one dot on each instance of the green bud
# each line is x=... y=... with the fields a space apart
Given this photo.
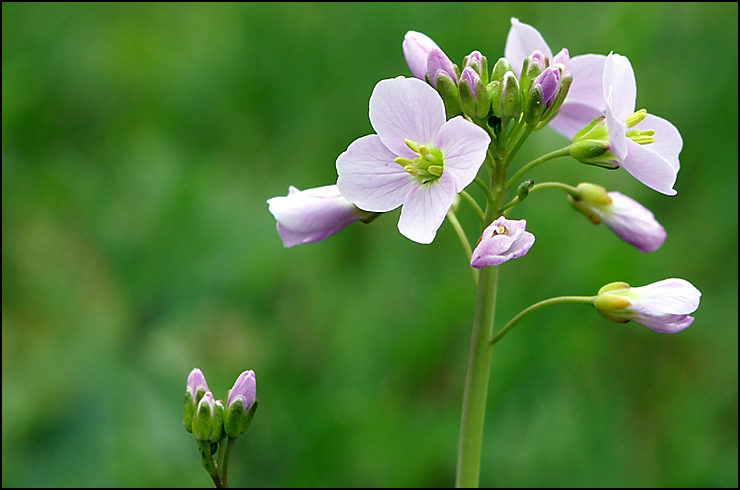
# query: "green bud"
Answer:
x=482 y=101
x=594 y=194
x=531 y=69
x=467 y=101
x=511 y=99
x=594 y=152
x=523 y=190
x=449 y=92
x=218 y=422
x=533 y=107
x=208 y=420
x=502 y=66
x=237 y=420
x=188 y=412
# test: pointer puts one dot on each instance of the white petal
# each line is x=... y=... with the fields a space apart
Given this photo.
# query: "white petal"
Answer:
x=406 y=108
x=370 y=178
x=522 y=41
x=650 y=168
x=425 y=209
x=464 y=146
x=587 y=71
x=620 y=87
x=668 y=141
x=667 y=297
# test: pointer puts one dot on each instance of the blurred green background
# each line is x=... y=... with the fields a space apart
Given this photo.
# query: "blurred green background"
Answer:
x=139 y=145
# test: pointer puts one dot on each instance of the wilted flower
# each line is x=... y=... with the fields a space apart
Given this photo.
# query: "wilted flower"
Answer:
x=664 y=306
x=417 y=159
x=502 y=240
x=313 y=214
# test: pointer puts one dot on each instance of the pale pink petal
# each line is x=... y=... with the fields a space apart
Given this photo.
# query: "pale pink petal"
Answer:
x=620 y=87
x=416 y=49
x=632 y=222
x=522 y=41
x=587 y=71
x=617 y=133
x=650 y=168
x=668 y=142
x=573 y=117
x=370 y=178
x=406 y=108
x=425 y=208
x=464 y=146
x=670 y=296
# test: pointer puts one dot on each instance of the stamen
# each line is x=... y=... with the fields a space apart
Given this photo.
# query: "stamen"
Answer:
x=636 y=118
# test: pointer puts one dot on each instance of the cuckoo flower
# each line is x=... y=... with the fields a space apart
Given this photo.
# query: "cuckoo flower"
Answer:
x=647 y=146
x=585 y=100
x=416 y=159
x=502 y=240
x=627 y=218
x=313 y=214
x=424 y=58
x=664 y=306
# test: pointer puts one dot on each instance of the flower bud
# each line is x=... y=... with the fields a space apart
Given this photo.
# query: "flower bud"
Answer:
x=474 y=98
x=523 y=190
x=505 y=96
x=501 y=241
x=209 y=419
x=195 y=389
x=241 y=404
x=591 y=145
x=500 y=68
x=439 y=64
x=448 y=90
x=416 y=49
x=664 y=306
x=532 y=67
x=479 y=63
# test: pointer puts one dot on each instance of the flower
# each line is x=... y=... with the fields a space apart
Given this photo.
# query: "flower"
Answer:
x=501 y=241
x=416 y=159
x=241 y=404
x=664 y=306
x=585 y=100
x=313 y=214
x=647 y=146
x=627 y=218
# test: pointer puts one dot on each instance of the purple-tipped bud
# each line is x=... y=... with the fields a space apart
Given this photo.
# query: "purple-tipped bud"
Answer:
x=562 y=59
x=548 y=83
x=241 y=404
x=196 y=382
x=438 y=64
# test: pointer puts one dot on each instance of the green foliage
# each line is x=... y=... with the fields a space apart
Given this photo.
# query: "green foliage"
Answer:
x=140 y=143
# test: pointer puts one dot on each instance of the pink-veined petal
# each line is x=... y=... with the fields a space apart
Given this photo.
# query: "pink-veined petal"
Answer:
x=464 y=146
x=650 y=167
x=522 y=41
x=370 y=178
x=425 y=208
x=620 y=87
x=406 y=108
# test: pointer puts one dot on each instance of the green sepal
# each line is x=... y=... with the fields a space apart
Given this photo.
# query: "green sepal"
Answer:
x=449 y=92
x=237 y=420
x=594 y=152
x=203 y=422
x=218 y=422
x=585 y=210
x=499 y=69
x=467 y=101
x=188 y=412
x=533 y=107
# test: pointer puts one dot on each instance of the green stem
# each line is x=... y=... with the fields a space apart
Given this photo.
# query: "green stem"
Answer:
x=555 y=154
x=225 y=466
x=538 y=187
x=207 y=459
x=452 y=218
x=552 y=301
x=476 y=381
x=473 y=204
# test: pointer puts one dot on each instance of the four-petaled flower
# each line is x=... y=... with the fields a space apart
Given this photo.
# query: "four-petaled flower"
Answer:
x=664 y=306
x=585 y=100
x=417 y=159
x=501 y=241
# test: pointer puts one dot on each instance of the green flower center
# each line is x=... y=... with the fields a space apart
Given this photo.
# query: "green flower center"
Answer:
x=427 y=166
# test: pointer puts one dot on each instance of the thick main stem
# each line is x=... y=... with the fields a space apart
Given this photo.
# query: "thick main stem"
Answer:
x=476 y=381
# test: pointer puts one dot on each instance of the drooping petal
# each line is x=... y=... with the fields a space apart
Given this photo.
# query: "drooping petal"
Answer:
x=425 y=208
x=370 y=178
x=620 y=87
x=416 y=49
x=632 y=222
x=650 y=168
x=406 y=108
x=464 y=146
x=522 y=41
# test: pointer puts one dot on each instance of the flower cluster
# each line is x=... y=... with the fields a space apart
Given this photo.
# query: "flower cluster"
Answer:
x=436 y=131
